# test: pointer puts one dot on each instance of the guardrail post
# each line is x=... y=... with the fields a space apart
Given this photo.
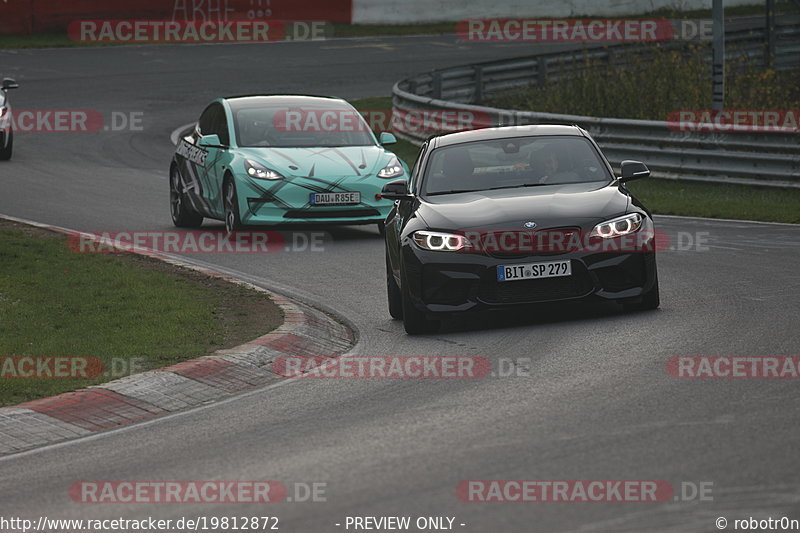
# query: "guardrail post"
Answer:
x=478 y=84
x=541 y=69
x=718 y=51
x=437 y=85
x=611 y=58
x=769 y=45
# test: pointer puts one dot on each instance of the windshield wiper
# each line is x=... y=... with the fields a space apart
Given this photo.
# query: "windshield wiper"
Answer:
x=456 y=191
x=490 y=188
x=518 y=186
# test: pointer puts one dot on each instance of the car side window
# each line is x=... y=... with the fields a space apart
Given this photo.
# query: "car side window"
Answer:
x=220 y=125
x=205 y=124
x=415 y=169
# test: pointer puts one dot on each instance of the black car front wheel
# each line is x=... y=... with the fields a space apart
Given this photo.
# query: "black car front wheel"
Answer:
x=649 y=300
x=414 y=320
x=393 y=292
x=5 y=152
x=183 y=215
x=233 y=221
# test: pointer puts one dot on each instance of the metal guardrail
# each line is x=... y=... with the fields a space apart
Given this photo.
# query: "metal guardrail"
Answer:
x=759 y=158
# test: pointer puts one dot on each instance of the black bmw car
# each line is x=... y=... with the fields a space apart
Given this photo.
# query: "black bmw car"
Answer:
x=509 y=216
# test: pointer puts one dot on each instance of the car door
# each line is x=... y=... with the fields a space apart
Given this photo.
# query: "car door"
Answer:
x=400 y=213
x=214 y=122
x=192 y=161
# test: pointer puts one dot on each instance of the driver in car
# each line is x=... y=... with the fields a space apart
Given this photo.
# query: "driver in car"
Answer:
x=549 y=167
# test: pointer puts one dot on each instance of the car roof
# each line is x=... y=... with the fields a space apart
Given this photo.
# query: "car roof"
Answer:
x=282 y=99
x=504 y=132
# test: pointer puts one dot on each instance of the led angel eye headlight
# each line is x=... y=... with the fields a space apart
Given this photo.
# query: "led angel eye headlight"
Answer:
x=618 y=227
x=440 y=242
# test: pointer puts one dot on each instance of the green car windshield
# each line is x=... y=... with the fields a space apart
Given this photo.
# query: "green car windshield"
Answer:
x=328 y=124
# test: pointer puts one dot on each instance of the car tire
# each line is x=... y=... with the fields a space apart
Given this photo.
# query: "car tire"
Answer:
x=183 y=215
x=382 y=229
x=414 y=320
x=5 y=152
x=393 y=292
x=233 y=221
x=648 y=301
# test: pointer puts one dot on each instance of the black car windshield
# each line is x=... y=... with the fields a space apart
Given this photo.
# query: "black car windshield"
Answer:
x=513 y=162
x=321 y=124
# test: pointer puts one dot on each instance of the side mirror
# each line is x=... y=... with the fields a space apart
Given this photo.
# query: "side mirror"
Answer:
x=633 y=170
x=396 y=190
x=8 y=83
x=387 y=138
x=210 y=141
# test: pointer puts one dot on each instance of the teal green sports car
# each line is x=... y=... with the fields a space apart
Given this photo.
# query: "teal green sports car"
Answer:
x=273 y=160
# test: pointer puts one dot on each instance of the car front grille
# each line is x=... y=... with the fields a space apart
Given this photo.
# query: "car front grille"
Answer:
x=542 y=243
x=331 y=213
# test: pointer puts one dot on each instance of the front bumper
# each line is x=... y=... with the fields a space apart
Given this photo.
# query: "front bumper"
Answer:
x=287 y=202
x=449 y=282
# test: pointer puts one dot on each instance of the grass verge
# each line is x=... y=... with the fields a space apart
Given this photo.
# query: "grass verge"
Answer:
x=674 y=197
x=132 y=312
x=718 y=200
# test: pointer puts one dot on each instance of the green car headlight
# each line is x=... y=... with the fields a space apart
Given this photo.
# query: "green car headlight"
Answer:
x=392 y=170
x=257 y=170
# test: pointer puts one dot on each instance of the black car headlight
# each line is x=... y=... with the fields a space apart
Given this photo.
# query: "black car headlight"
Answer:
x=617 y=227
x=257 y=170
x=440 y=242
x=393 y=169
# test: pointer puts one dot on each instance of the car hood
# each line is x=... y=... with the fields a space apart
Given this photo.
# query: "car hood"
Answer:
x=549 y=206
x=322 y=162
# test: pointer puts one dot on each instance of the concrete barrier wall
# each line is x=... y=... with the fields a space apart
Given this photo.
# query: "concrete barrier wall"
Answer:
x=27 y=16
x=16 y=16
x=411 y=11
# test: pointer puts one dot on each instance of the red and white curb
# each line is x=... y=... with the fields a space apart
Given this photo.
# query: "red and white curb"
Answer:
x=305 y=331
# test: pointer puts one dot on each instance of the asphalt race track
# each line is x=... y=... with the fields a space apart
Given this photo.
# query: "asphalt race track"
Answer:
x=597 y=403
